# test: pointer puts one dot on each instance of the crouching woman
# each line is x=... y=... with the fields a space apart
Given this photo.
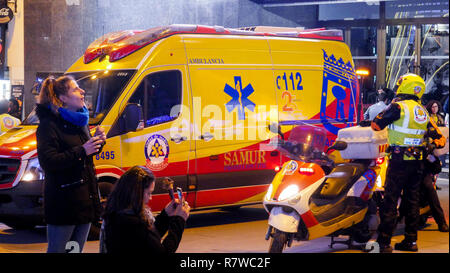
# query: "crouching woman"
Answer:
x=128 y=224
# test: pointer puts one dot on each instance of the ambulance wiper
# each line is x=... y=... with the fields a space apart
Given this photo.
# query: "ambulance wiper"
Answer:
x=93 y=76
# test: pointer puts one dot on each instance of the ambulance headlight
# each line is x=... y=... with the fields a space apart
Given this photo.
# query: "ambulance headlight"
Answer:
x=269 y=192
x=289 y=192
x=33 y=171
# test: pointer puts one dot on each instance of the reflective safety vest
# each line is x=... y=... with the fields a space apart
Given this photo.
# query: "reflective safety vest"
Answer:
x=409 y=129
x=8 y=122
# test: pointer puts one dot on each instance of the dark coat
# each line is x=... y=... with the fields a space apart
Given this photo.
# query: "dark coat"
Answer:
x=71 y=192
x=125 y=232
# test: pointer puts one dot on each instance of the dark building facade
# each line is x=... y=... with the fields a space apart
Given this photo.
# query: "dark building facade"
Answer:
x=57 y=32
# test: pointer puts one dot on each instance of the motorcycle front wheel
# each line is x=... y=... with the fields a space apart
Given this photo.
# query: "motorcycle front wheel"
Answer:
x=278 y=242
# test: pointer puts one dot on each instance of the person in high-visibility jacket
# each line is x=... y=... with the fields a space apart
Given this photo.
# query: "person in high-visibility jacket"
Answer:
x=410 y=130
x=7 y=121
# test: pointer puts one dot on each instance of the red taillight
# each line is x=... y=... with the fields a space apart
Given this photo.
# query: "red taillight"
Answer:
x=380 y=160
x=306 y=171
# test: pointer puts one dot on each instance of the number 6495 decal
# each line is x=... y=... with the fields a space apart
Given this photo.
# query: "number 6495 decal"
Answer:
x=105 y=155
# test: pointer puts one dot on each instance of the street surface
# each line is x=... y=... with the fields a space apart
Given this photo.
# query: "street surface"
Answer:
x=240 y=231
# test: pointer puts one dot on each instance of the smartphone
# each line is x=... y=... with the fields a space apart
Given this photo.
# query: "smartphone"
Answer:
x=180 y=194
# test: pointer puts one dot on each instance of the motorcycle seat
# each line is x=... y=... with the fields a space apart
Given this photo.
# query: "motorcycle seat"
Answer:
x=338 y=182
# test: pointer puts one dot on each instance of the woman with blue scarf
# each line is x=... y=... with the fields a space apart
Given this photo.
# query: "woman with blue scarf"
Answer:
x=65 y=151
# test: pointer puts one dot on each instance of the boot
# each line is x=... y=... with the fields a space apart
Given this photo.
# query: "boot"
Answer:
x=384 y=242
x=385 y=249
x=407 y=245
x=443 y=227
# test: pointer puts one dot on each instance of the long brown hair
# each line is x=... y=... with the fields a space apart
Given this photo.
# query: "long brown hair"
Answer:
x=53 y=88
x=429 y=106
x=128 y=192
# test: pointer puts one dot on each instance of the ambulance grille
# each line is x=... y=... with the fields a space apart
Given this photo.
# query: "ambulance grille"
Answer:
x=8 y=169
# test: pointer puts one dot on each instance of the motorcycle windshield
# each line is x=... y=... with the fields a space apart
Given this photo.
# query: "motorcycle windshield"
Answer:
x=305 y=142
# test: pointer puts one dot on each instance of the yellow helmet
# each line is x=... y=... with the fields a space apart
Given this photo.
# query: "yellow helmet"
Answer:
x=410 y=84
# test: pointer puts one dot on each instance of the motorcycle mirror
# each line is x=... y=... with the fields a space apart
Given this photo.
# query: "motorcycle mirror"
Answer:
x=338 y=145
x=276 y=129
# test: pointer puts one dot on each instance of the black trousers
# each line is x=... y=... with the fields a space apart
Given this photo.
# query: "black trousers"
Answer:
x=402 y=175
x=429 y=195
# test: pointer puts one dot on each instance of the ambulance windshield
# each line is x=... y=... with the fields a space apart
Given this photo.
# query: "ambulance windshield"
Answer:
x=102 y=90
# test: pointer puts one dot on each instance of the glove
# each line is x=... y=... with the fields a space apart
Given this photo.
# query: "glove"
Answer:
x=365 y=123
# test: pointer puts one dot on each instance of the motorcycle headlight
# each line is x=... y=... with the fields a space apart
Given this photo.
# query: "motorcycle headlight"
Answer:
x=288 y=192
x=33 y=171
x=379 y=182
x=269 y=192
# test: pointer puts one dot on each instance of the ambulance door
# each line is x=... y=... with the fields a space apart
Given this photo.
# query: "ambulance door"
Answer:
x=162 y=140
x=232 y=97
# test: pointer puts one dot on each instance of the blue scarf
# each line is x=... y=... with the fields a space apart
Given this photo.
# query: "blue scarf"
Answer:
x=79 y=118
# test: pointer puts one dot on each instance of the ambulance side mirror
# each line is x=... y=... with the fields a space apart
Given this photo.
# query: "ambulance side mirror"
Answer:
x=129 y=121
x=131 y=118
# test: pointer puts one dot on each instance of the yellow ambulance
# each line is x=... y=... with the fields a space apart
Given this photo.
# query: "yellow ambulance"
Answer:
x=195 y=103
